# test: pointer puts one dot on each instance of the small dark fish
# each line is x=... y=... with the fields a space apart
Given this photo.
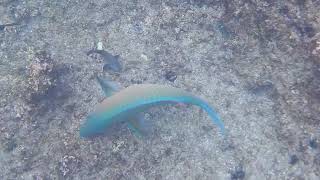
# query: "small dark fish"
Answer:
x=111 y=62
x=2 y=26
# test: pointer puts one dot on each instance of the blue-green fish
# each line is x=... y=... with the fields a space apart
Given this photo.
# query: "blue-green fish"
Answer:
x=127 y=105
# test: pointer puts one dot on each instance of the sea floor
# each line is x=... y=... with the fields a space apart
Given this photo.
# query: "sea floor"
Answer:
x=256 y=62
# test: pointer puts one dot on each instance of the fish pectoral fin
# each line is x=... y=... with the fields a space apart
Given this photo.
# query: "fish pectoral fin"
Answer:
x=137 y=126
x=108 y=87
x=134 y=129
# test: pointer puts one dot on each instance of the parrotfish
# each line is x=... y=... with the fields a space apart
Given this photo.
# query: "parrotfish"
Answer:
x=126 y=105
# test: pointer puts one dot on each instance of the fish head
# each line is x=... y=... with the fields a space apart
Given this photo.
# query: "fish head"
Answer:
x=94 y=126
x=115 y=66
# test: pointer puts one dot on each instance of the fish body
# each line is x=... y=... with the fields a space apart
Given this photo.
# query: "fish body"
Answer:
x=132 y=100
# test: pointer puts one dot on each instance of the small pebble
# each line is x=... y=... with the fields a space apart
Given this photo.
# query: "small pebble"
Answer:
x=238 y=174
x=313 y=143
x=99 y=46
x=137 y=28
x=171 y=76
x=168 y=152
x=293 y=159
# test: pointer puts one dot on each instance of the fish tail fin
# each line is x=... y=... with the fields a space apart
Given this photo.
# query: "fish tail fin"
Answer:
x=213 y=115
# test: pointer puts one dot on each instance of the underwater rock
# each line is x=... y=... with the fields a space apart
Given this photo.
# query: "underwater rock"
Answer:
x=46 y=87
x=40 y=75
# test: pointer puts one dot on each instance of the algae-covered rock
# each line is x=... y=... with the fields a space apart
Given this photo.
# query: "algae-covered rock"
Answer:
x=41 y=77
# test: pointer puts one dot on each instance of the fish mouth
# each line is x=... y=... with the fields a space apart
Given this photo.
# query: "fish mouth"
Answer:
x=92 y=129
x=85 y=133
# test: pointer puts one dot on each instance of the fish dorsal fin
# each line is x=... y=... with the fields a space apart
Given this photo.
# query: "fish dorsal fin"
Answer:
x=138 y=126
x=108 y=87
